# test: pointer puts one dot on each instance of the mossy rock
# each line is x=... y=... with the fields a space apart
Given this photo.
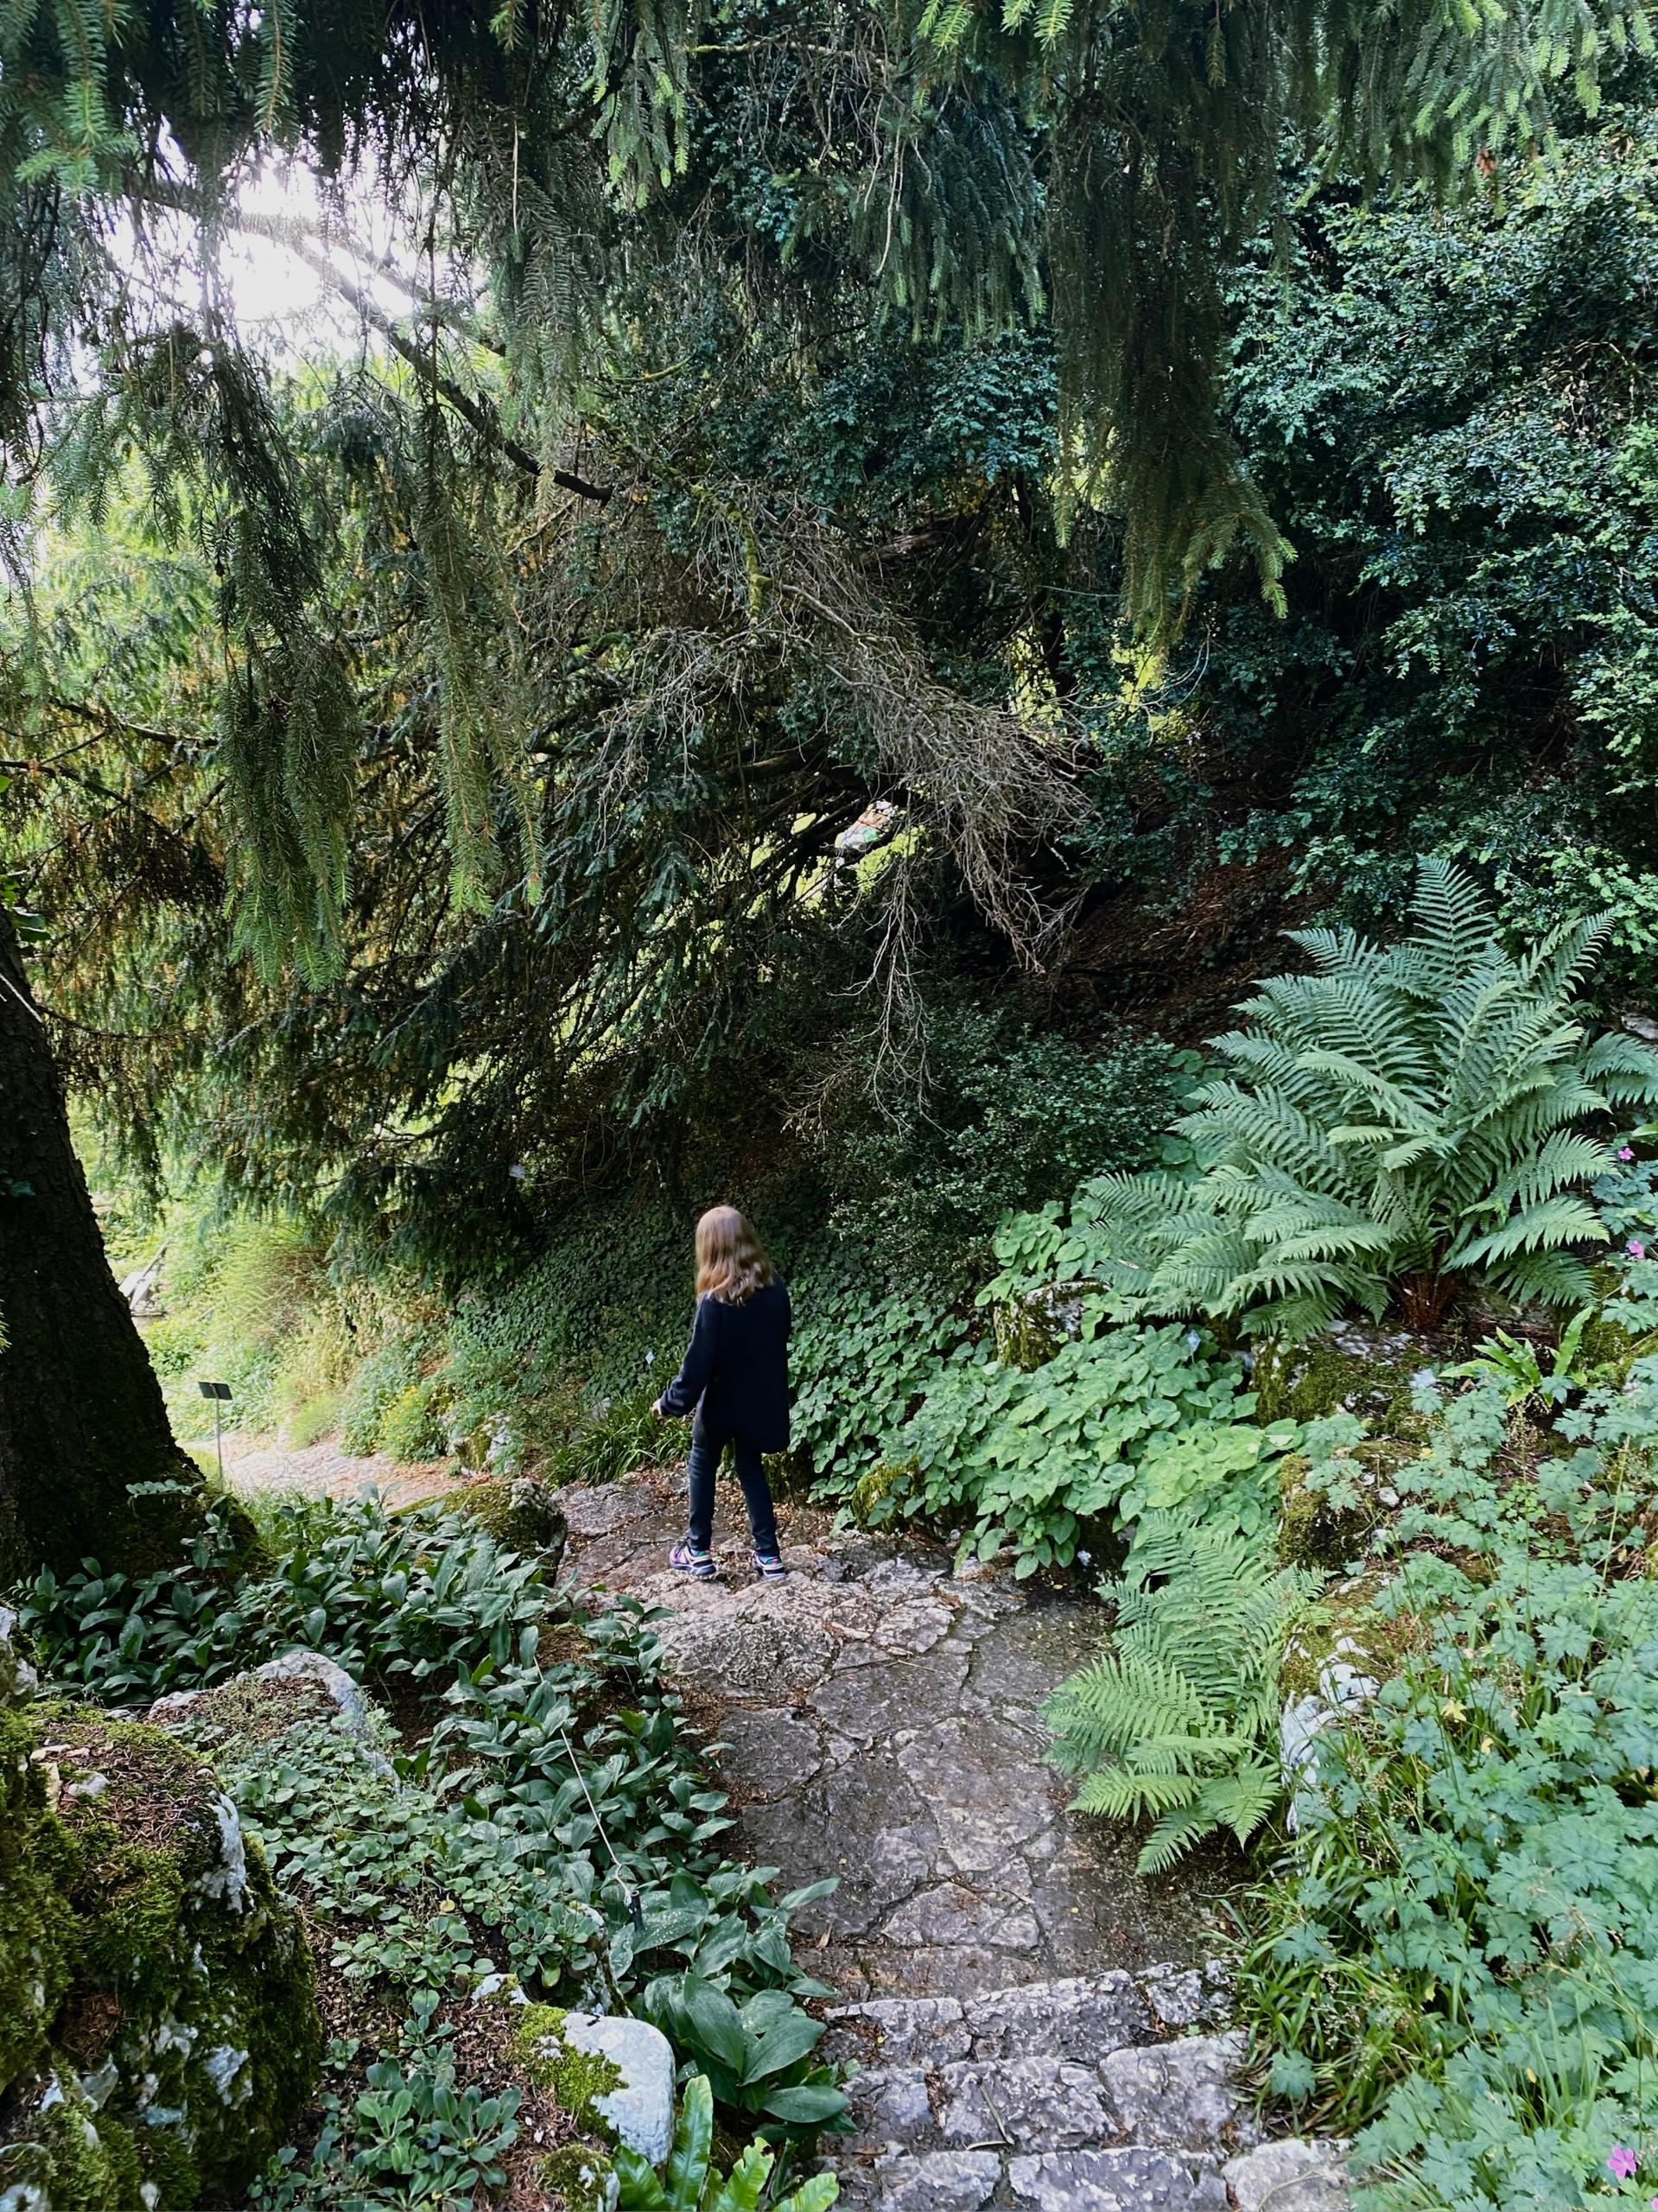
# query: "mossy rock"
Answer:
x=521 y=1514
x=1343 y=1629
x=576 y=2077
x=158 y=2019
x=1314 y=1528
x=875 y=1495
x=1347 y=1370
x=1605 y=1344
x=581 y=2175
x=1031 y=1328
x=614 y=2075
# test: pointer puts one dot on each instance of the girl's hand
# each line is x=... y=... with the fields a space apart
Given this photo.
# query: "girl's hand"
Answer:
x=657 y=1409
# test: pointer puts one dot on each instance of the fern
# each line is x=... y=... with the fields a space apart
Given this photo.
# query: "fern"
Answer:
x=1397 y=1121
x=1178 y=1723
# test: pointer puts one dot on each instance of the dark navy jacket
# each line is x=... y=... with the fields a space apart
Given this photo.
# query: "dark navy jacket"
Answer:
x=736 y=1370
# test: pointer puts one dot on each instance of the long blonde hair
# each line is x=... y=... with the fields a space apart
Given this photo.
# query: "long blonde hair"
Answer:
x=731 y=1261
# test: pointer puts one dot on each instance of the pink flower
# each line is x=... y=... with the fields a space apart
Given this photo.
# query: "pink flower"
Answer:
x=1622 y=2163
x=1624 y=1152
x=1635 y=1249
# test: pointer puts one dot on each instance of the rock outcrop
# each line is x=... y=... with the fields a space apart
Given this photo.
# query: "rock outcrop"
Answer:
x=158 y=2018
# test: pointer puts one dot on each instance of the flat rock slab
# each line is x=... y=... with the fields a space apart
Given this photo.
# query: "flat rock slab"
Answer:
x=1129 y=2180
x=883 y=1723
x=1295 y=2175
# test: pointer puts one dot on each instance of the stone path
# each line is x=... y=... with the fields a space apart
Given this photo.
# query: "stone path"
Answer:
x=1033 y=2024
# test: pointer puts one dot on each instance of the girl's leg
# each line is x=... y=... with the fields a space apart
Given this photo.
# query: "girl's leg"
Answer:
x=757 y=1497
x=706 y=1452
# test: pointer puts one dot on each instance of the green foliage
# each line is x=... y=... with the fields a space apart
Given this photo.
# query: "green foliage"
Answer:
x=861 y=1354
x=491 y=1829
x=413 y=2139
x=1178 y=1722
x=1512 y=1362
x=691 y=2183
x=373 y=1590
x=1396 y=1121
x=599 y=1319
x=757 y=2055
x=383 y=1398
x=1010 y=1118
x=1117 y=1422
x=1461 y=1948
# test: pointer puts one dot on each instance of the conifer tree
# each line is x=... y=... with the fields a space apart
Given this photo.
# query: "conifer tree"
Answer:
x=82 y=1416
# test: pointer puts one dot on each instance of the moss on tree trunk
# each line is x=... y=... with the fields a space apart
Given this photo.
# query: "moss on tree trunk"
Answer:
x=81 y=1413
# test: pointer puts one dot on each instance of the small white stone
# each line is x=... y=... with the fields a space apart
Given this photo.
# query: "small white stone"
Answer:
x=225 y=2068
x=641 y=2107
x=96 y=2087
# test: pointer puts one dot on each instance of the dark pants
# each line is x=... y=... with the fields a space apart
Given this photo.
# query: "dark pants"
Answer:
x=707 y=1449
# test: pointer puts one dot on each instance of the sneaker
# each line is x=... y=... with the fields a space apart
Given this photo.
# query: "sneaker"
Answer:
x=689 y=1560
x=770 y=1567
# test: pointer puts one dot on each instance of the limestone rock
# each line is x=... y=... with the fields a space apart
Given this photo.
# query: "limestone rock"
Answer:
x=1178 y=2093
x=522 y=1514
x=1344 y=1688
x=1121 y=2180
x=1188 y=1997
x=640 y=2108
x=1292 y=2175
x=158 y=2018
x=890 y=2105
x=1083 y=2018
x=616 y=2074
x=910 y=2030
x=1028 y=2104
x=330 y=1680
x=939 y=2181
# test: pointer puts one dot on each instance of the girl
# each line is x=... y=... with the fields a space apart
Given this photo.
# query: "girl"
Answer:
x=735 y=1380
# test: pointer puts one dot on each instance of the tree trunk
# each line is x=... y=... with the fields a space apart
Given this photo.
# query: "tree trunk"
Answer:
x=81 y=1415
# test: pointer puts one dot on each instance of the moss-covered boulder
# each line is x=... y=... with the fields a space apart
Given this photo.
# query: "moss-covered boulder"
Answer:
x=158 y=2018
x=520 y=1513
x=1369 y=1373
x=613 y=2074
x=1329 y=1517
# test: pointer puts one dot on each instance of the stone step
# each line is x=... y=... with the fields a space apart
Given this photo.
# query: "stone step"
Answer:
x=1291 y=2175
x=1180 y=2096
x=1081 y=2019
x=1129 y=2179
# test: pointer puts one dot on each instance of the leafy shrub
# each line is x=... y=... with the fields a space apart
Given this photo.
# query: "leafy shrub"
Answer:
x=862 y=1356
x=603 y=1313
x=1178 y=1722
x=611 y=1439
x=758 y=2054
x=412 y=1427
x=1398 y=1120
x=1120 y=1421
x=1465 y=1936
x=390 y=1375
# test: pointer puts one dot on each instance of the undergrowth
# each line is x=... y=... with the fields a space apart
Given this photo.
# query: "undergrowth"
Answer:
x=549 y=1818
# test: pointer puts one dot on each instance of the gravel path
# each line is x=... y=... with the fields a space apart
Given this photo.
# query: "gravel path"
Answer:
x=322 y=1470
